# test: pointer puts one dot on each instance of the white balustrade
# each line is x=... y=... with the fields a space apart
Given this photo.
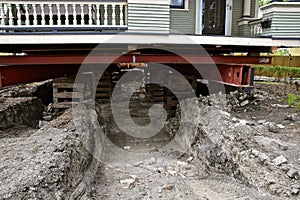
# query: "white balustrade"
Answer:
x=30 y=14
x=255 y=28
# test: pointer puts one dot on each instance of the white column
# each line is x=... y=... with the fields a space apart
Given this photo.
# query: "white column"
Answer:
x=10 y=15
x=74 y=14
x=43 y=14
x=198 y=14
x=50 y=15
x=98 y=14
x=18 y=14
x=90 y=14
x=121 y=15
x=66 y=14
x=247 y=8
x=35 y=22
x=228 y=18
x=82 y=14
x=58 y=14
x=2 y=22
x=105 y=14
x=27 y=22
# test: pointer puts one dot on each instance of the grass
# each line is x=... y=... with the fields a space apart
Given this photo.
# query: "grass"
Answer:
x=271 y=83
x=291 y=99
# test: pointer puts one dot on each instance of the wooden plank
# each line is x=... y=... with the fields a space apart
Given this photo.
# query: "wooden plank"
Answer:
x=68 y=95
x=68 y=85
x=64 y=80
x=102 y=95
x=102 y=89
x=64 y=104
x=104 y=84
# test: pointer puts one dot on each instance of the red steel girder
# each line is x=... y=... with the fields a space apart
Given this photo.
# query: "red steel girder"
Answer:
x=129 y=58
x=13 y=75
x=25 y=69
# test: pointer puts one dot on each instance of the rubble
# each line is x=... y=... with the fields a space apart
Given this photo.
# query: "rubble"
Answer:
x=279 y=160
x=292 y=173
x=167 y=187
x=292 y=117
x=272 y=127
x=128 y=183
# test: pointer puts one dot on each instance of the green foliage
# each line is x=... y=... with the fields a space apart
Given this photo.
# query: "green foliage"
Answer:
x=291 y=99
x=277 y=71
x=264 y=2
x=298 y=106
x=282 y=52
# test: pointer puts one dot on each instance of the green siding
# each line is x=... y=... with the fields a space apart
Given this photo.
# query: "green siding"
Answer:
x=252 y=13
x=237 y=13
x=184 y=21
x=148 y=18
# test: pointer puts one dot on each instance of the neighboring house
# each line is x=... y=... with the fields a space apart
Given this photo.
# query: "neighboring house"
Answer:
x=279 y=20
x=194 y=17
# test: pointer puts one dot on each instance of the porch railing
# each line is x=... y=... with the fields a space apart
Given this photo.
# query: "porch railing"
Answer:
x=255 y=27
x=35 y=15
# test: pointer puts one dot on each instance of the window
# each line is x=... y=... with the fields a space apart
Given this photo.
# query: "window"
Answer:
x=178 y=4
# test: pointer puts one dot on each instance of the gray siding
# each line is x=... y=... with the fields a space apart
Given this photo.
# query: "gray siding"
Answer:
x=184 y=21
x=284 y=24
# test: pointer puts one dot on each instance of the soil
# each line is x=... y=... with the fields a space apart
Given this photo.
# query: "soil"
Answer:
x=231 y=158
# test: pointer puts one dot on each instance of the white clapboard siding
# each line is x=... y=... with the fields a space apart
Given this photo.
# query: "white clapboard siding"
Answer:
x=149 y=16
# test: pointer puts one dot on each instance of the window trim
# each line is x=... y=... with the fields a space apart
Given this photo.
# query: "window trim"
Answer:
x=186 y=6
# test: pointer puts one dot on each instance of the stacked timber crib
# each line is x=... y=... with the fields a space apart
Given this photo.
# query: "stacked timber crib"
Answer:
x=66 y=93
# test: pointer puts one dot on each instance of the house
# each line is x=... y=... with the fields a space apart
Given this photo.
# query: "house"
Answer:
x=193 y=17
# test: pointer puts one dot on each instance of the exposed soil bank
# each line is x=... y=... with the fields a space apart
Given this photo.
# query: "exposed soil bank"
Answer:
x=20 y=111
x=49 y=164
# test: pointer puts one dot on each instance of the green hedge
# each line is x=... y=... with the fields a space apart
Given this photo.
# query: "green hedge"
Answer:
x=277 y=71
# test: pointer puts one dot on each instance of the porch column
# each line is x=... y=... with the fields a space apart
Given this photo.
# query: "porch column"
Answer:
x=247 y=8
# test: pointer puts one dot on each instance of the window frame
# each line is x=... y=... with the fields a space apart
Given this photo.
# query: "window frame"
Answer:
x=184 y=8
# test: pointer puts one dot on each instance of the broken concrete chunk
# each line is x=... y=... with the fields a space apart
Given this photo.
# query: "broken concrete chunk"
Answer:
x=127 y=148
x=272 y=127
x=280 y=126
x=279 y=160
x=167 y=187
x=128 y=183
x=292 y=173
x=291 y=117
x=244 y=103
x=261 y=121
x=190 y=159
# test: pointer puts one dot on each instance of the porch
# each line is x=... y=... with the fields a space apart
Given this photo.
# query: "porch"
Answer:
x=16 y=16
